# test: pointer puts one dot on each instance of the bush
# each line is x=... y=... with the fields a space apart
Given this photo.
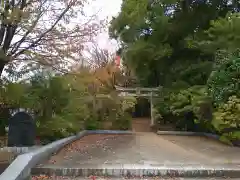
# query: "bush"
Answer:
x=92 y=123
x=224 y=81
x=4 y=116
x=224 y=87
x=56 y=128
x=122 y=121
x=66 y=104
x=227 y=114
x=188 y=108
x=227 y=119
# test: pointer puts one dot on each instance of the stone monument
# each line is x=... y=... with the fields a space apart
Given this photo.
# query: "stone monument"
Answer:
x=22 y=130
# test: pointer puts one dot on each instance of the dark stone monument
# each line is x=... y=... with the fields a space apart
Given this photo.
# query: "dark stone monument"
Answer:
x=22 y=130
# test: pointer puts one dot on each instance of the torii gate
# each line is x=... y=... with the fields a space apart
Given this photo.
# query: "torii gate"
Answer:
x=140 y=92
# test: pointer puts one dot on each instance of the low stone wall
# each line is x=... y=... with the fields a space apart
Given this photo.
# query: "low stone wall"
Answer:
x=19 y=150
x=9 y=154
x=20 y=168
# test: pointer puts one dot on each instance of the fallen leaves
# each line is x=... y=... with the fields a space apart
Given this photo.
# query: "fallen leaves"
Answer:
x=45 y=177
x=82 y=146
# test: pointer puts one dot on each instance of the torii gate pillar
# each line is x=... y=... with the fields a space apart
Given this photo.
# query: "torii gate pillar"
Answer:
x=136 y=92
x=152 y=111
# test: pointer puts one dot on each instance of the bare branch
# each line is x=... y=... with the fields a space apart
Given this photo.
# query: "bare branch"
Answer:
x=47 y=31
x=38 y=30
x=12 y=26
x=18 y=44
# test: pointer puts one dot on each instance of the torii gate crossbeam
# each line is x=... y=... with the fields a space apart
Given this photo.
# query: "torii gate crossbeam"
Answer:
x=138 y=92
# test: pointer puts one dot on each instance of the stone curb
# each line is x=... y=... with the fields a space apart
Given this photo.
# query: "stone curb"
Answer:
x=142 y=171
x=20 y=168
x=179 y=133
x=109 y=132
x=184 y=133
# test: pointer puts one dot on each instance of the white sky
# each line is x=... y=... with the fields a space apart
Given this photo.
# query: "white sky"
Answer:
x=106 y=9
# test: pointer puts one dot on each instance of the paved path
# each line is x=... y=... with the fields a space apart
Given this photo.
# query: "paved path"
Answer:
x=141 y=124
x=150 y=149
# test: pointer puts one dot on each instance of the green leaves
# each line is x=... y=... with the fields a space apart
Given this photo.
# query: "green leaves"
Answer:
x=227 y=114
x=223 y=34
x=224 y=81
x=14 y=94
x=191 y=48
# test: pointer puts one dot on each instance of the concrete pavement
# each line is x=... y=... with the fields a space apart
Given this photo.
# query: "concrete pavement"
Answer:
x=152 y=149
x=147 y=153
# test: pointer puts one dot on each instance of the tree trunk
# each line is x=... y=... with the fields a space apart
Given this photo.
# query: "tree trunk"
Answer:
x=2 y=65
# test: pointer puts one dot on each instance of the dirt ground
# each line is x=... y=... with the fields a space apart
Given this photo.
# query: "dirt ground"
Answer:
x=141 y=125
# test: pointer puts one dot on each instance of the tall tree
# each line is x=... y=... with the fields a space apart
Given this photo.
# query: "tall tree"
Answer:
x=46 y=32
x=154 y=33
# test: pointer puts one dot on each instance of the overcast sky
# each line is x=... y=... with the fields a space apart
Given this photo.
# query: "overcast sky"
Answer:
x=106 y=9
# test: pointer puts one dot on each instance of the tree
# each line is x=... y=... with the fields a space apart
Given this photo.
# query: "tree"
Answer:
x=176 y=44
x=42 y=32
x=99 y=57
x=154 y=33
x=102 y=63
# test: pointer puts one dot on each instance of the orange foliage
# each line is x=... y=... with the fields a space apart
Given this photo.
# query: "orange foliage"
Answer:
x=97 y=80
x=106 y=75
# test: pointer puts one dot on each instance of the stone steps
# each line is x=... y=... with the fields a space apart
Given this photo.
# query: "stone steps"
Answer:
x=122 y=178
x=131 y=171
